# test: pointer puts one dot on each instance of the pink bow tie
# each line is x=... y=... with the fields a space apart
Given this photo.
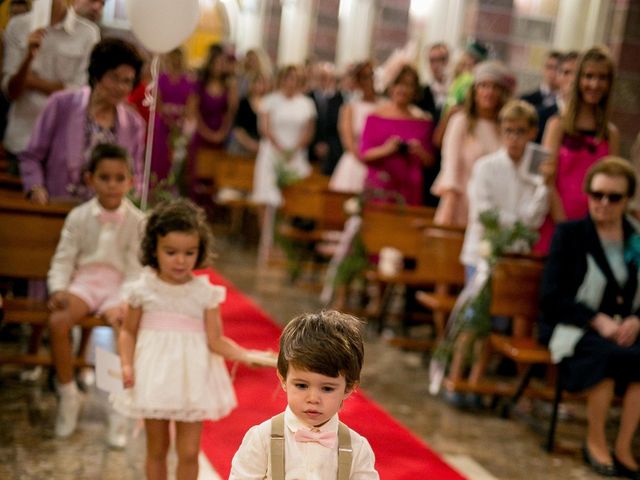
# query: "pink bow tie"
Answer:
x=326 y=439
x=106 y=216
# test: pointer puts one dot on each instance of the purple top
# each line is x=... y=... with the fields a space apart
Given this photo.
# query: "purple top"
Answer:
x=212 y=109
x=174 y=97
x=56 y=153
x=396 y=173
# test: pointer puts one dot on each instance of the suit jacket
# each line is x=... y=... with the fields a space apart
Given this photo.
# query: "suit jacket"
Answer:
x=544 y=114
x=327 y=130
x=575 y=248
x=55 y=154
x=428 y=104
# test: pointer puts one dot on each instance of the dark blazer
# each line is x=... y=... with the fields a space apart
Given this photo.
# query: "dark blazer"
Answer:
x=428 y=104
x=327 y=130
x=564 y=273
x=544 y=114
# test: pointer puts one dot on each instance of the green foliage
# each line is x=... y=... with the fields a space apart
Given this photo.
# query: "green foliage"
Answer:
x=474 y=315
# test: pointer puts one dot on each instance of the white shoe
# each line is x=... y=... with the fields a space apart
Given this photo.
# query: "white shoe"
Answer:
x=68 y=412
x=117 y=430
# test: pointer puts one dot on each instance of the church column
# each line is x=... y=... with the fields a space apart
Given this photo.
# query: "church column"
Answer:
x=295 y=25
x=570 y=24
x=355 y=27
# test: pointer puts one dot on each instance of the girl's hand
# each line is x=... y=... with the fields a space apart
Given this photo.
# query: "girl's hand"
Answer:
x=606 y=326
x=127 y=376
x=628 y=331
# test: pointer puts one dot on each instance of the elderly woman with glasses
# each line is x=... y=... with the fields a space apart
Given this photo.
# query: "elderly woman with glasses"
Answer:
x=74 y=121
x=591 y=309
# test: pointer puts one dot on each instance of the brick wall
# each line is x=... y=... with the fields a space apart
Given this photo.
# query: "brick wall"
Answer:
x=324 y=35
x=391 y=28
x=624 y=41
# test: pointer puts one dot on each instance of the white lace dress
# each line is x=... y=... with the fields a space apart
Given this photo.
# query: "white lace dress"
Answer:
x=176 y=376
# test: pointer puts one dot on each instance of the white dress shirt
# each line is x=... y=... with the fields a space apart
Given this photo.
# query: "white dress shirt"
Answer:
x=86 y=241
x=303 y=460
x=62 y=57
x=498 y=183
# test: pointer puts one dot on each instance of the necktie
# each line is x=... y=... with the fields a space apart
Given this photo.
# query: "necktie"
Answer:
x=326 y=439
x=114 y=216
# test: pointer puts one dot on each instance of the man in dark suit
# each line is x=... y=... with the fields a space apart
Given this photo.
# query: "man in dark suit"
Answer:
x=564 y=79
x=326 y=148
x=434 y=96
x=545 y=95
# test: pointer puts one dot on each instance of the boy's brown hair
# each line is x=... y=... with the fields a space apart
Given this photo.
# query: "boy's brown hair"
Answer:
x=327 y=342
x=519 y=110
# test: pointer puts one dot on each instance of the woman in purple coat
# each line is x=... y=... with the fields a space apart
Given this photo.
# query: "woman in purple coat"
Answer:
x=396 y=141
x=73 y=121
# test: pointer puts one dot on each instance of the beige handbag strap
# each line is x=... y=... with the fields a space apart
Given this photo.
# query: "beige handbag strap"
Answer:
x=345 y=452
x=277 y=447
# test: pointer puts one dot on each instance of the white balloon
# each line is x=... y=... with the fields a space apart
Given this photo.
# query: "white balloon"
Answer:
x=162 y=25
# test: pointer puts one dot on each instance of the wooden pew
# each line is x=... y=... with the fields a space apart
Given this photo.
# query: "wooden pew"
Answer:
x=216 y=170
x=431 y=248
x=29 y=234
x=310 y=221
x=311 y=199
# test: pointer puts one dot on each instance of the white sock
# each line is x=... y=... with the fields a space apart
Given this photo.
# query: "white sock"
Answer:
x=68 y=389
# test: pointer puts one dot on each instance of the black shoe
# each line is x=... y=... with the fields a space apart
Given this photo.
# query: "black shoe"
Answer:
x=604 y=469
x=623 y=471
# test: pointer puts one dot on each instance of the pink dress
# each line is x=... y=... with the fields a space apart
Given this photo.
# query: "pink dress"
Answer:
x=576 y=155
x=397 y=173
x=460 y=150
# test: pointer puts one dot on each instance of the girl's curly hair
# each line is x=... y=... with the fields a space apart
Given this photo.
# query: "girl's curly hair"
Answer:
x=179 y=215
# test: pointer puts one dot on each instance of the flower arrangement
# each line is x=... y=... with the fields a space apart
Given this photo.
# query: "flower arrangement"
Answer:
x=471 y=313
x=285 y=176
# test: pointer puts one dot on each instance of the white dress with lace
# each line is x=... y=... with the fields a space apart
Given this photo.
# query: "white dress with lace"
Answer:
x=176 y=376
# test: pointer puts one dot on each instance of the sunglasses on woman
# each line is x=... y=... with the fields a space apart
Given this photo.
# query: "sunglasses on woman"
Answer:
x=611 y=197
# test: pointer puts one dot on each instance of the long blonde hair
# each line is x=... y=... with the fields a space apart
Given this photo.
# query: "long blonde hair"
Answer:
x=602 y=110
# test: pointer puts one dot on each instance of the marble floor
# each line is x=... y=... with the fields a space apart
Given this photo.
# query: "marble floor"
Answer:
x=480 y=444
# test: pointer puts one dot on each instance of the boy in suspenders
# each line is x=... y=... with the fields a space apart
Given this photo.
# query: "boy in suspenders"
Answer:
x=319 y=365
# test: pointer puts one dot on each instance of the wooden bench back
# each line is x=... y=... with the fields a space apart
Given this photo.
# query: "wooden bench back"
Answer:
x=438 y=258
x=28 y=236
x=516 y=287
x=312 y=199
x=225 y=170
x=398 y=226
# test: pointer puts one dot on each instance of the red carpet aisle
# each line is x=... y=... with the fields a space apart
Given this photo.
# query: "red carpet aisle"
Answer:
x=399 y=454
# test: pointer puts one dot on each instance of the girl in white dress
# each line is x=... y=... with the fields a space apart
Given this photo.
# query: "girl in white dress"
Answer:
x=350 y=172
x=286 y=124
x=171 y=343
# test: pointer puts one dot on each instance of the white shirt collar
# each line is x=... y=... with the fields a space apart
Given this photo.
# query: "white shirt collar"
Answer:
x=97 y=209
x=293 y=423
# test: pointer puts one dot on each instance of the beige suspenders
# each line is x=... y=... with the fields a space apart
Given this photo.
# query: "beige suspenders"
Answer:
x=345 y=452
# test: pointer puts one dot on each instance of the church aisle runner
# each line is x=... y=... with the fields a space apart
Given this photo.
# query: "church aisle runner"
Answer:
x=399 y=454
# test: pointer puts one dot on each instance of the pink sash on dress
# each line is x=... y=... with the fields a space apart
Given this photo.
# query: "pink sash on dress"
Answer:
x=166 y=321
